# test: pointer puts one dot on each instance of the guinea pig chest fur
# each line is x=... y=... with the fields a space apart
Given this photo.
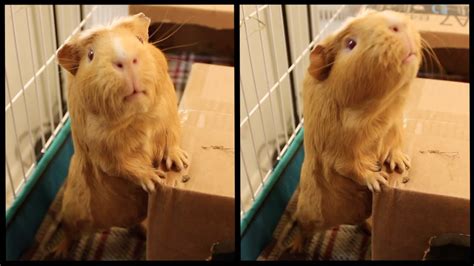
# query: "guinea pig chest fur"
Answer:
x=124 y=119
x=354 y=93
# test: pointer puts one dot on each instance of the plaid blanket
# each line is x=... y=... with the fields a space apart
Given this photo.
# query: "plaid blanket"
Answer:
x=115 y=243
x=344 y=242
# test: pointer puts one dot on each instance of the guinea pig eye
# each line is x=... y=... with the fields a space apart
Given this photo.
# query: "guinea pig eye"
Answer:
x=351 y=44
x=90 y=54
x=140 y=39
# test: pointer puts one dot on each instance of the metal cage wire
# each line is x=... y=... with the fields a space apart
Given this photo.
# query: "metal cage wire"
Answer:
x=265 y=15
x=41 y=81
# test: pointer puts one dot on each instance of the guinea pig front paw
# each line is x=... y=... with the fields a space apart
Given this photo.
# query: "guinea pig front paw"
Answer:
x=375 y=166
x=374 y=179
x=398 y=159
x=178 y=157
x=148 y=183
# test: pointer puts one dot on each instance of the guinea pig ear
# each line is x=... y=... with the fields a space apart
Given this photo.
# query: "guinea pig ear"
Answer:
x=139 y=25
x=364 y=11
x=320 y=63
x=69 y=57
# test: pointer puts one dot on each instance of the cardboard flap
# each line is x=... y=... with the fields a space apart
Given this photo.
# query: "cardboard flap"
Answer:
x=404 y=221
x=437 y=139
x=186 y=224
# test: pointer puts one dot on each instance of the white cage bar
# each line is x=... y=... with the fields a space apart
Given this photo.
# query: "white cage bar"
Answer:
x=286 y=33
x=33 y=36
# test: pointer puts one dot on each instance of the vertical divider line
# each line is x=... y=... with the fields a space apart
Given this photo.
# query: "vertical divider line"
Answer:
x=290 y=62
x=268 y=86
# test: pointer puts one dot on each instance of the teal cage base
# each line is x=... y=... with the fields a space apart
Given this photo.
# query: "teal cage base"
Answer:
x=259 y=222
x=28 y=210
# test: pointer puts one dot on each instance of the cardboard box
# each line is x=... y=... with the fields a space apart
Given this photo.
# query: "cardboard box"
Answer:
x=213 y=16
x=436 y=198
x=448 y=35
x=205 y=29
x=186 y=218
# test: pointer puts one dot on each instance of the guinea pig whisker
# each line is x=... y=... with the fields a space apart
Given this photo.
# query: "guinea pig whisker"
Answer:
x=174 y=32
x=437 y=37
x=178 y=46
x=161 y=24
x=68 y=60
x=435 y=57
x=167 y=36
x=432 y=53
x=167 y=32
x=326 y=65
x=432 y=56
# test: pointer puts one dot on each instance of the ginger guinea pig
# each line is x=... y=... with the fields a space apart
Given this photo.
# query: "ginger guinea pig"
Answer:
x=354 y=93
x=124 y=120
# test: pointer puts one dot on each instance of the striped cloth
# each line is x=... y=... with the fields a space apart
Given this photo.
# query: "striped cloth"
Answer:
x=344 y=242
x=115 y=243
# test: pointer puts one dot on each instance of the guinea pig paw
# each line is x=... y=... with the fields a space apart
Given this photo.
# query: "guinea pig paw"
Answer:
x=398 y=159
x=296 y=246
x=149 y=184
x=374 y=179
x=376 y=166
x=159 y=173
x=178 y=157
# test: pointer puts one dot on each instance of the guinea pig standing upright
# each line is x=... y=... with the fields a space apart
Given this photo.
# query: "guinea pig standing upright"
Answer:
x=354 y=93
x=124 y=121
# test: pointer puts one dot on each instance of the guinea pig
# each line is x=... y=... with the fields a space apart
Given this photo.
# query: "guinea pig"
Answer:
x=124 y=122
x=354 y=93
